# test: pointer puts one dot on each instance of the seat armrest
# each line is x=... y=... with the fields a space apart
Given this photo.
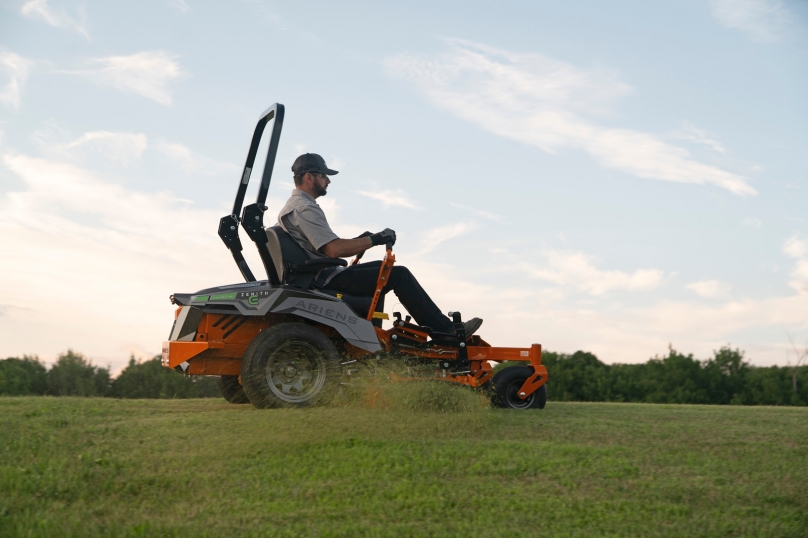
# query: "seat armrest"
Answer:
x=326 y=262
x=315 y=264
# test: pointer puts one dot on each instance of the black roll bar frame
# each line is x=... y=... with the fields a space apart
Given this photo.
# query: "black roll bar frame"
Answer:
x=252 y=217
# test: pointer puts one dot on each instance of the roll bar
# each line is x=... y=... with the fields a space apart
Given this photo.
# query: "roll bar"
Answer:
x=252 y=217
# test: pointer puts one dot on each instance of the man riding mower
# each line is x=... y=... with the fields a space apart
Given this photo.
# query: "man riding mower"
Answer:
x=289 y=340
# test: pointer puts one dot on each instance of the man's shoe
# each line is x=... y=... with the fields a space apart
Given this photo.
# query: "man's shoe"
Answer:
x=472 y=325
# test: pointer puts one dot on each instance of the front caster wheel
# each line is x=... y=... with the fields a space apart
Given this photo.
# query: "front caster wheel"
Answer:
x=506 y=385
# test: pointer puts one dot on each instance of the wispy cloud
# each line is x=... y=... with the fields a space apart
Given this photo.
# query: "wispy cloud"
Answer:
x=179 y=5
x=752 y=222
x=123 y=148
x=578 y=270
x=434 y=237
x=391 y=198
x=41 y=10
x=761 y=20
x=699 y=136
x=16 y=68
x=191 y=161
x=120 y=147
x=552 y=105
x=479 y=212
x=144 y=73
x=708 y=288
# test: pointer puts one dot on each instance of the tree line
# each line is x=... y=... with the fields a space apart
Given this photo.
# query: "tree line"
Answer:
x=724 y=378
x=73 y=375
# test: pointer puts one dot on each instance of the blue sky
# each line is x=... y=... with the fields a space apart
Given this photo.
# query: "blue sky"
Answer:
x=613 y=177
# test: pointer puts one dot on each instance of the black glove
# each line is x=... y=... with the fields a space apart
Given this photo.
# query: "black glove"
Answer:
x=364 y=234
x=385 y=236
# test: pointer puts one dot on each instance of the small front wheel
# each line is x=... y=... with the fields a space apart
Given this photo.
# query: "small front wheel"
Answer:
x=507 y=383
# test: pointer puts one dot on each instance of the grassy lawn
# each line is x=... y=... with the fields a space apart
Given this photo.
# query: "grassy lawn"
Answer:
x=102 y=467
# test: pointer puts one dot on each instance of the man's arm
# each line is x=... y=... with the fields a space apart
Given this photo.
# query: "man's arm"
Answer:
x=342 y=248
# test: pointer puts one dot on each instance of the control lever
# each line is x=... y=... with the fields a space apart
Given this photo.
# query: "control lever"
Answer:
x=359 y=256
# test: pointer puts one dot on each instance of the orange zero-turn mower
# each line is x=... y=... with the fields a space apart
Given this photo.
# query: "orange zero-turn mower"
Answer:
x=281 y=342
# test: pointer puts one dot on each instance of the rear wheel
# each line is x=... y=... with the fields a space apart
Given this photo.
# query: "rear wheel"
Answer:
x=506 y=385
x=231 y=389
x=290 y=365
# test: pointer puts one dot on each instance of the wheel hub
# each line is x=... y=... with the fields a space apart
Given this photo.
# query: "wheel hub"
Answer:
x=296 y=372
x=513 y=395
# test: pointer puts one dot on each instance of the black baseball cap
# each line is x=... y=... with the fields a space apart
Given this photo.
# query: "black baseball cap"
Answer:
x=311 y=162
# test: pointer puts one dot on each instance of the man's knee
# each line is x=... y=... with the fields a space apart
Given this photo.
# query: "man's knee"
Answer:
x=400 y=269
x=400 y=274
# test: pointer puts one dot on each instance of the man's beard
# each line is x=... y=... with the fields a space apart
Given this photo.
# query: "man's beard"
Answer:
x=321 y=191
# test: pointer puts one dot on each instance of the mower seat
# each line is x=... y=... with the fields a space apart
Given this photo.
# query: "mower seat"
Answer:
x=295 y=268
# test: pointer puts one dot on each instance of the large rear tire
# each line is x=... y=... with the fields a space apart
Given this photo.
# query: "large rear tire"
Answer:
x=231 y=389
x=290 y=365
x=506 y=386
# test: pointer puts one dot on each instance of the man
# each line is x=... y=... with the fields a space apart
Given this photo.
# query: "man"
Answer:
x=305 y=221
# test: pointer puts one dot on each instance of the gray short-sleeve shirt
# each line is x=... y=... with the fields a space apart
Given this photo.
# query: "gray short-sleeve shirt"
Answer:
x=305 y=221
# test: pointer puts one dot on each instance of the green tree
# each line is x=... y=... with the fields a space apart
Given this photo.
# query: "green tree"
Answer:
x=725 y=374
x=578 y=377
x=149 y=379
x=74 y=375
x=22 y=377
x=774 y=386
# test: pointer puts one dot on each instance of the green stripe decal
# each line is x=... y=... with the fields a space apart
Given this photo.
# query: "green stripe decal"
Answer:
x=223 y=296
x=201 y=299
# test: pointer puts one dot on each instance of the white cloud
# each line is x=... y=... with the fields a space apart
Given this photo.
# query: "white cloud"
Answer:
x=90 y=264
x=752 y=222
x=798 y=249
x=144 y=73
x=191 y=161
x=480 y=213
x=699 y=136
x=391 y=198
x=120 y=147
x=577 y=269
x=434 y=237
x=40 y=10
x=179 y=5
x=761 y=20
x=16 y=68
x=549 y=104
x=708 y=288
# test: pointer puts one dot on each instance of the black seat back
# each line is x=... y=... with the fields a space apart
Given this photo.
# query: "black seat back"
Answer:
x=285 y=251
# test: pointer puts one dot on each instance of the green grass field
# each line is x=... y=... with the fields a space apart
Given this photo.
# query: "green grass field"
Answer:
x=101 y=467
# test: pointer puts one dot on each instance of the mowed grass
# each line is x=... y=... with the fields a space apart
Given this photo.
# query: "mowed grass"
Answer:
x=101 y=467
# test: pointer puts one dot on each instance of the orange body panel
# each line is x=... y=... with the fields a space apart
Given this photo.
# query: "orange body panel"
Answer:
x=175 y=353
x=205 y=366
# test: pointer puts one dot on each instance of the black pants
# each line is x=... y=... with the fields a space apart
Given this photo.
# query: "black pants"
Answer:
x=361 y=280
